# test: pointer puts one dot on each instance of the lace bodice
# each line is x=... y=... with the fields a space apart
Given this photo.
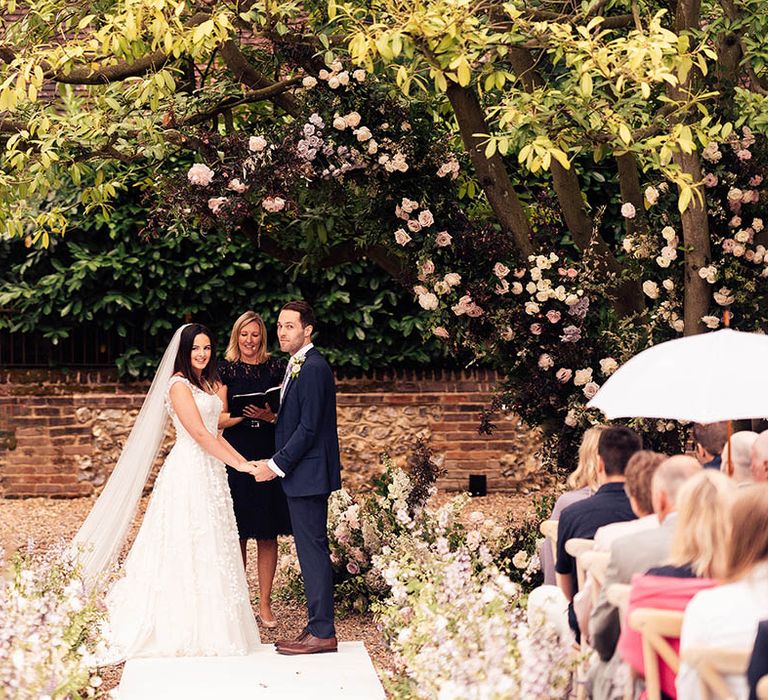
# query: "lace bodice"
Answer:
x=209 y=406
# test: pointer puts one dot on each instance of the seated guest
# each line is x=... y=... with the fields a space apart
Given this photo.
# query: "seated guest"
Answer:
x=582 y=483
x=739 y=465
x=759 y=463
x=635 y=554
x=758 y=663
x=710 y=439
x=727 y=616
x=609 y=505
x=697 y=562
x=702 y=528
x=638 y=475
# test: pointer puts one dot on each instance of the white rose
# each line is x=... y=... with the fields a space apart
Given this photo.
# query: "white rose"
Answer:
x=453 y=278
x=363 y=134
x=651 y=195
x=531 y=308
x=608 y=366
x=359 y=75
x=669 y=252
x=428 y=301
x=517 y=288
x=333 y=82
x=651 y=289
x=757 y=224
x=668 y=233
x=535 y=274
x=742 y=236
x=309 y=82
x=200 y=174
x=352 y=119
x=583 y=376
x=628 y=210
x=339 y=123
x=343 y=78
x=710 y=321
x=678 y=325
x=530 y=287
x=661 y=261
x=668 y=284
x=324 y=74
x=257 y=144
x=545 y=361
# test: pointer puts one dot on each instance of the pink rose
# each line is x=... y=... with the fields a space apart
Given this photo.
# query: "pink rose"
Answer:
x=755 y=180
x=564 y=375
x=590 y=389
x=443 y=239
x=710 y=180
x=401 y=237
x=273 y=204
x=215 y=203
x=426 y=218
x=500 y=270
x=628 y=210
x=353 y=567
x=536 y=328
x=236 y=186
x=427 y=267
x=553 y=316
x=441 y=332
x=744 y=154
x=414 y=225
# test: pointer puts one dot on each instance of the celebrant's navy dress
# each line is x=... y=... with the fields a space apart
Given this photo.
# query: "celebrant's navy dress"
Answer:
x=261 y=509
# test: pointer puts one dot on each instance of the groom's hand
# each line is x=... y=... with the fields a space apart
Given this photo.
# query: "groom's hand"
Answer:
x=263 y=472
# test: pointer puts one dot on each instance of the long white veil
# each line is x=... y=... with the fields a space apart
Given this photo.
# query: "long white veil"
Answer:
x=101 y=536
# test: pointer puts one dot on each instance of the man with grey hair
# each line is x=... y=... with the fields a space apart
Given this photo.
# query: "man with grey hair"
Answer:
x=759 y=457
x=740 y=463
x=635 y=554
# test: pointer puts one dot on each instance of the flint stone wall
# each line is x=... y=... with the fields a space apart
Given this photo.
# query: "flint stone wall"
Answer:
x=61 y=432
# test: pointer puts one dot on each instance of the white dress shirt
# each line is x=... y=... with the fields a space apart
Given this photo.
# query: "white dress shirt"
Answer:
x=291 y=363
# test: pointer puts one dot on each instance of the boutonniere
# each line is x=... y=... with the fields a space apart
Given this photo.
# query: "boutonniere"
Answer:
x=296 y=363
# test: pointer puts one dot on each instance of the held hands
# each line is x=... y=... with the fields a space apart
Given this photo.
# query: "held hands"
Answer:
x=262 y=472
x=265 y=414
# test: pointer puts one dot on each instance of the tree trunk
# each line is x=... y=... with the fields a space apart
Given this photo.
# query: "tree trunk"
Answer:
x=491 y=172
x=629 y=185
x=695 y=223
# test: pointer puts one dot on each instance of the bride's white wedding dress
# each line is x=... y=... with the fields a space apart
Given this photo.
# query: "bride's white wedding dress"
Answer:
x=184 y=592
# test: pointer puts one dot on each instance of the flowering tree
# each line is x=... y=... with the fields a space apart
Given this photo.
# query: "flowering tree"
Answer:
x=568 y=187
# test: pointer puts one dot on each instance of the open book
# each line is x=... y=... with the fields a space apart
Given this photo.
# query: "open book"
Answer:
x=260 y=399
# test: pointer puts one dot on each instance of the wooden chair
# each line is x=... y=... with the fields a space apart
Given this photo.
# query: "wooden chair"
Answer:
x=595 y=563
x=712 y=664
x=548 y=528
x=576 y=547
x=618 y=596
x=762 y=688
x=654 y=626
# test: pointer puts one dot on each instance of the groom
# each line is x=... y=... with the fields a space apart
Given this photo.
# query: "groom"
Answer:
x=307 y=460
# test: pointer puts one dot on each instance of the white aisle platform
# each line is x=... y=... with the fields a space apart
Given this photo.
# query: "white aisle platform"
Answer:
x=347 y=674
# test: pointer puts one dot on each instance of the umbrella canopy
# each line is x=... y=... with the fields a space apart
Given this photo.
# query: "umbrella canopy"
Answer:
x=702 y=378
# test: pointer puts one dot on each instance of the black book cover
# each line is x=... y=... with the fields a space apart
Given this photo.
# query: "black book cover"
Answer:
x=260 y=399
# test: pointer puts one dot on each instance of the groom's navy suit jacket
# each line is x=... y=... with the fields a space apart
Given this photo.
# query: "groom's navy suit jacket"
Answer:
x=306 y=441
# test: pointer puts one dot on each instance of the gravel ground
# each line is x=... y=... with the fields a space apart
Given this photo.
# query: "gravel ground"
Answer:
x=46 y=521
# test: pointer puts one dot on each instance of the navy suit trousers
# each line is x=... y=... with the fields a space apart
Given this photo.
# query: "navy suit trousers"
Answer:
x=309 y=518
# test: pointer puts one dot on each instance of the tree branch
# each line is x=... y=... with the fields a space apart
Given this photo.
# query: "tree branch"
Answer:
x=244 y=72
x=249 y=97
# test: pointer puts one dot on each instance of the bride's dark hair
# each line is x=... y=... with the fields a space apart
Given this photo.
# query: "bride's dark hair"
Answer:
x=183 y=363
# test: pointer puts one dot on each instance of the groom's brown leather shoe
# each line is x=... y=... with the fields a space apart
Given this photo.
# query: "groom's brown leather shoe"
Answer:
x=299 y=637
x=309 y=645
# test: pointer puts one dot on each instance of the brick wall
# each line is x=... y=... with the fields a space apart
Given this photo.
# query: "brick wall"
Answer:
x=61 y=432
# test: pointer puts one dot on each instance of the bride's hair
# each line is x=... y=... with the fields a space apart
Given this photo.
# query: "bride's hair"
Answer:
x=183 y=362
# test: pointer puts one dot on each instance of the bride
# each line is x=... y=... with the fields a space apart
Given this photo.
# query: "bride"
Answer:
x=183 y=590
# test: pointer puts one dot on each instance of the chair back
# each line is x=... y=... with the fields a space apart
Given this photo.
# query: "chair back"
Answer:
x=655 y=627
x=576 y=547
x=548 y=528
x=712 y=665
x=595 y=563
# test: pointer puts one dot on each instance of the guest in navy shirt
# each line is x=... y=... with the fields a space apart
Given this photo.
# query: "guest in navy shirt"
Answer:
x=609 y=505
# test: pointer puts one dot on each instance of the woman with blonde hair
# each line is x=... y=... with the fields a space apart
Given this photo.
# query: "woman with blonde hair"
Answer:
x=261 y=509
x=727 y=616
x=702 y=529
x=582 y=483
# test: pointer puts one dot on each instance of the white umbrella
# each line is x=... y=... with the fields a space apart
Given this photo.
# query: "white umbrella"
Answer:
x=702 y=378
